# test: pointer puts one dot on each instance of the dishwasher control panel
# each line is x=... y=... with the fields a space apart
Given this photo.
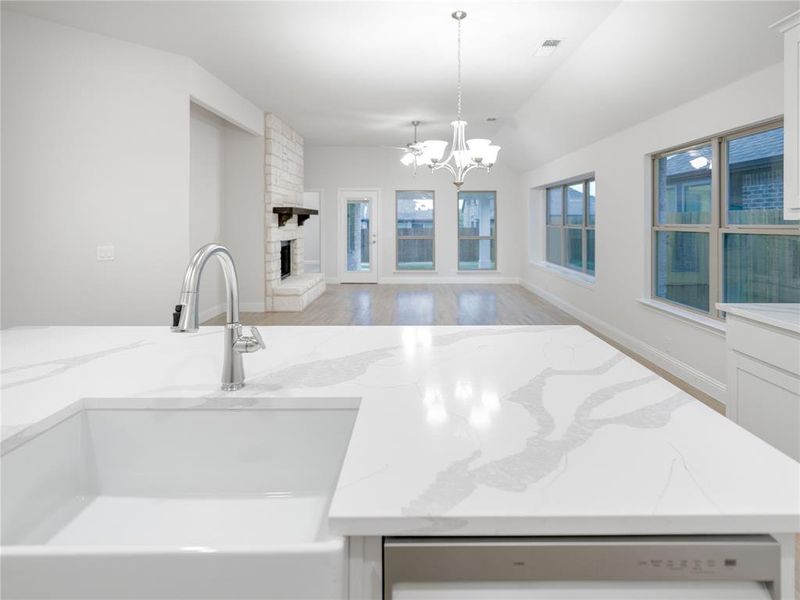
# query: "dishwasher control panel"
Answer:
x=698 y=566
x=743 y=558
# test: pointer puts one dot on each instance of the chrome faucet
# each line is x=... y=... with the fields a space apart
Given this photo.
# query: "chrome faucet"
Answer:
x=185 y=319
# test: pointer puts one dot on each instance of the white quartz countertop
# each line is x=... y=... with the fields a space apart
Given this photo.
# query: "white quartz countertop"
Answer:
x=460 y=431
x=784 y=316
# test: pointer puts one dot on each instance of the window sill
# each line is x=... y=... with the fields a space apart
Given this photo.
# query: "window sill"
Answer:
x=468 y=271
x=578 y=277
x=706 y=323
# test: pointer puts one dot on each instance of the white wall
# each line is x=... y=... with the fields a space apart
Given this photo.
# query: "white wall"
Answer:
x=205 y=201
x=311 y=233
x=96 y=147
x=331 y=168
x=243 y=211
x=691 y=351
x=227 y=207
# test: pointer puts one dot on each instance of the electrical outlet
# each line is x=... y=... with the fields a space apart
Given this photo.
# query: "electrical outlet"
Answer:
x=105 y=253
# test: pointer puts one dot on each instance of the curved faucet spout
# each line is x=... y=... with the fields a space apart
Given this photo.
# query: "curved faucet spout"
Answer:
x=186 y=317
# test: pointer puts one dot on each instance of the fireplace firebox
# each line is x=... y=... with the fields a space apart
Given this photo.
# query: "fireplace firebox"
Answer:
x=286 y=259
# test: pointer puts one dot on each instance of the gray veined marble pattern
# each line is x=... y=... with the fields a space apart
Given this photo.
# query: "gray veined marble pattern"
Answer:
x=57 y=366
x=334 y=371
x=542 y=453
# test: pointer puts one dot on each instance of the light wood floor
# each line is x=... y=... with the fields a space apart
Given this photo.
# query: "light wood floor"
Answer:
x=442 y=304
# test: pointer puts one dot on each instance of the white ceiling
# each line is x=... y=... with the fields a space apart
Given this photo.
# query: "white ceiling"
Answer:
x=644 y=59
x=356 y=73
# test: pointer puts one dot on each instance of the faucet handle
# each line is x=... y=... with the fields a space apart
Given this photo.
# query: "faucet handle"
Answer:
x=250 y=343
x=257 y=336
x=176 y=316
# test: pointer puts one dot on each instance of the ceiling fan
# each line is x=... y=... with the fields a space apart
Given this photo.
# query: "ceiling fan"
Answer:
x=413 y=150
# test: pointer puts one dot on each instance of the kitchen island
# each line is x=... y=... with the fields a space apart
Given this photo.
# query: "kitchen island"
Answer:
x=461 y=431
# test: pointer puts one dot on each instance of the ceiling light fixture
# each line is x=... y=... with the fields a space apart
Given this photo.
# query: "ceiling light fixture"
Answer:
x=465 y=155
x=413 y=150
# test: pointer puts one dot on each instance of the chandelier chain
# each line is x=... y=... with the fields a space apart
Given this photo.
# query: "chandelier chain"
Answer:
x=459 y=69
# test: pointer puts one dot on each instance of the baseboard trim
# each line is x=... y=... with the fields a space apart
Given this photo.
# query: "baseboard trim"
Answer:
x=705 y=383
x=468 y=278
x=413 y=279
x=252 y=307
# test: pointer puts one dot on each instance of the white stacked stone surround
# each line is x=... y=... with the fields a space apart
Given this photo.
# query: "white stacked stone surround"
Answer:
x=283 y=170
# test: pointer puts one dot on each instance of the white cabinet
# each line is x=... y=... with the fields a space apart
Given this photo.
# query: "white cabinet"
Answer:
x=763 y=366
x=790 y=27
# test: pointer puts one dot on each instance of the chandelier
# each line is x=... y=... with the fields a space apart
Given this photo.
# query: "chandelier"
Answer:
x=465 y=154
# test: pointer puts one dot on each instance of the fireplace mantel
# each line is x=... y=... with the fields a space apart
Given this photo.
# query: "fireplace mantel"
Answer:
x=287 y=212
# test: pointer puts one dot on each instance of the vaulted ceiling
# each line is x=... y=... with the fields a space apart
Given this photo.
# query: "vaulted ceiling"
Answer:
x=357 y=73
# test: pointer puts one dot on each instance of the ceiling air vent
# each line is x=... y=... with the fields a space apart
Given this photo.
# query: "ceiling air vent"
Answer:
x=547 y=48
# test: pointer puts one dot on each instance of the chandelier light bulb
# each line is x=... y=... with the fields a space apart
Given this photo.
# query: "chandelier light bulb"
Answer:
x=476 y=144
x=434 y=150
x=490 y=155
x=477 y=149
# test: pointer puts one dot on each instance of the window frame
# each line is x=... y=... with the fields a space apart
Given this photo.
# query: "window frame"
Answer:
x=719 y=226
x=459 y=237
x=585 y=226
x=431 y=237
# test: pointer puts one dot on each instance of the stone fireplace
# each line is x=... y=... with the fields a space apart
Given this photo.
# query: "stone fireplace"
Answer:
x=287 y=287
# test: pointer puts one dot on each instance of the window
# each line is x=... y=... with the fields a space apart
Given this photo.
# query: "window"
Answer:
x=570 y=225
x=477 y=231
x=415 y=231
x=718 y=228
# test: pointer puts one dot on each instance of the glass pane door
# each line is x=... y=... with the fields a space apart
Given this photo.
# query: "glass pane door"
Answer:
x=358 y=235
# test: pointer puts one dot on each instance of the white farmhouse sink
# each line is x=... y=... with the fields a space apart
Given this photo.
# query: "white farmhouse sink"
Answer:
x=160 y=499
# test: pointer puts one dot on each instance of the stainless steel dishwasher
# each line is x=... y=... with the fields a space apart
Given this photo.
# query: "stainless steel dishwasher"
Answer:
x=582 y=568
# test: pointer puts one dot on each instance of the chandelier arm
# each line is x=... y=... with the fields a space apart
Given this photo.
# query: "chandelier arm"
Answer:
x=477 y=166
x=453 y=148
x=444 y=165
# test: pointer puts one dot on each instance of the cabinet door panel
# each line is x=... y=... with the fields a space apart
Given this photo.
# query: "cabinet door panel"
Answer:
x=768 y=403
x=763 y=343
